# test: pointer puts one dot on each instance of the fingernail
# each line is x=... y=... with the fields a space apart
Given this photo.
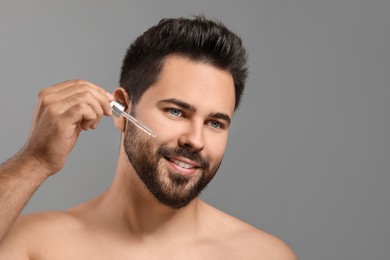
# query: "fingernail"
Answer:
x=110 y=96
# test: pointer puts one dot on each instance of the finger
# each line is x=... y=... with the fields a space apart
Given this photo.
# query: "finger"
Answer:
x=100 y=94
x=88 y=124
x=59 y=86
x=74 y=109
x=81 y=115
x=65 y=84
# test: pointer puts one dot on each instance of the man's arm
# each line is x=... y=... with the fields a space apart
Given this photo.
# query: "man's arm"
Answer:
x=20 y=177
x=62 y=112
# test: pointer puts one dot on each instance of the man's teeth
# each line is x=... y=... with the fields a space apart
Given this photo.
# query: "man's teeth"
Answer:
x=182 y=164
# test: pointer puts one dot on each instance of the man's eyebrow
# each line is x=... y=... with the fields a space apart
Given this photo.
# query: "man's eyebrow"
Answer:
x=178 y=103
x=222 y=116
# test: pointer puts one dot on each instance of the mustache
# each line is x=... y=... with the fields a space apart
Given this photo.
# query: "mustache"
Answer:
x=164 y=151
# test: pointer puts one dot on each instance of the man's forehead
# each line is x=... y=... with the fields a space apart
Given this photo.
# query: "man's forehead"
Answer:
x=195 y=83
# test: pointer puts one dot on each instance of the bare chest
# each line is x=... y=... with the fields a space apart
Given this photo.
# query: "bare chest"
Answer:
x=100 y=249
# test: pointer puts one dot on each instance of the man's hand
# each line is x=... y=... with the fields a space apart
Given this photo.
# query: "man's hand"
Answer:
x=62 y=112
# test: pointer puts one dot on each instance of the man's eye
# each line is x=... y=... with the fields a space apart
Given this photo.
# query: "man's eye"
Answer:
x=215 y=124
x=174 y=112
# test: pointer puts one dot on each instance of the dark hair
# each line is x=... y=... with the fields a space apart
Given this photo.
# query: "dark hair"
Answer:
x=198 y=39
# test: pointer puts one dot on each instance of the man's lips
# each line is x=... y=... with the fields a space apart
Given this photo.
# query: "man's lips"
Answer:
x=183 y=166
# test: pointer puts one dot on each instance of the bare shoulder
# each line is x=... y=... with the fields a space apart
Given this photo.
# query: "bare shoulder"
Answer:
x=260 y=243
x=36 y=231
x=247 y=241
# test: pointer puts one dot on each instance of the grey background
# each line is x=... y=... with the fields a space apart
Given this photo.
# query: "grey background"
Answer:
x=308 y=158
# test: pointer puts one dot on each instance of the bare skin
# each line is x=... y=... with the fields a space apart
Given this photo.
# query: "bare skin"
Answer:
x=62 y=112
x=126 y=221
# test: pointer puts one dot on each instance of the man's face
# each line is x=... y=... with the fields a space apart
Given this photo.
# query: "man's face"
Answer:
x=189 y=107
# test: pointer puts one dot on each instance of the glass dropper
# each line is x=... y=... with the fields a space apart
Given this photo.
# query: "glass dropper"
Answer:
x=119 y=110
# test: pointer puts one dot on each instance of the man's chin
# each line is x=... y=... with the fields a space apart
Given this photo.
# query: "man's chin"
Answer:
x=175 y=203
x=178 y=197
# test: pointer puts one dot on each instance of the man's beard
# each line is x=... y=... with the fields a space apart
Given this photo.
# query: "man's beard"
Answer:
x=169 y=188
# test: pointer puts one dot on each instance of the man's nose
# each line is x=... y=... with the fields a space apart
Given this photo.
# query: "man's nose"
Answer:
x=192 y=137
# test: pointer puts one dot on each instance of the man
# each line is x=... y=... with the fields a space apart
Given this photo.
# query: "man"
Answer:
x=183 y=78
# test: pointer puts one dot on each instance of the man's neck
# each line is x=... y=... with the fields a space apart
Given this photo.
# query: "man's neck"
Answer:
x=130 y=205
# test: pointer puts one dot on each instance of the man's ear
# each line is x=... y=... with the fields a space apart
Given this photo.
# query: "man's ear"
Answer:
x=121 y=96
